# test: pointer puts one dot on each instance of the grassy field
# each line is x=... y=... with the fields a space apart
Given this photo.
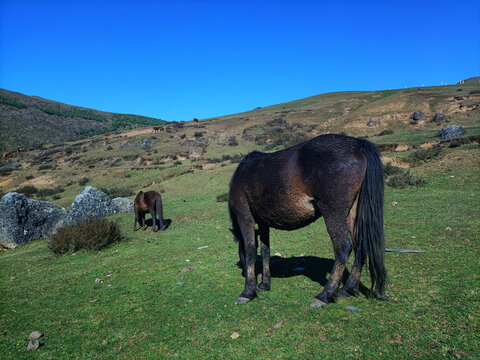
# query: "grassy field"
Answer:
x=148 y=308
x=171 y=294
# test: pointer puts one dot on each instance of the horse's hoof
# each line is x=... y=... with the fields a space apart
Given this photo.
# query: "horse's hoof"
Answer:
x=241 y=300
x=317 y=303
x=263 y=287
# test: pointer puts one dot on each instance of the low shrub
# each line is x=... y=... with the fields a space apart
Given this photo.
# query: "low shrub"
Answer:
x=42 y=193
x=92 y=235
x=27 y=190
x=390 y=169
x=29 y=177
x=45 y=167
x=118 y=192
x=83 y=181
x=386 y=132
x=404 y=179
x=232 y=141
x=420 y=155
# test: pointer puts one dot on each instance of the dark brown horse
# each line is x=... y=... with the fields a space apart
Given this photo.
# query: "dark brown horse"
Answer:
x=334 y=176
x=150 y=201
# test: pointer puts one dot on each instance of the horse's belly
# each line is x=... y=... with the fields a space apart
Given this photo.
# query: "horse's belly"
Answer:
x=288 y=214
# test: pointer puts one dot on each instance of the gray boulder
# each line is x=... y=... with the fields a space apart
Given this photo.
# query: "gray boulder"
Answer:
x=123 y=205
x=89 y=204
x=418 y=115
x=440 y=117
x=23 y=219
x=451 y=132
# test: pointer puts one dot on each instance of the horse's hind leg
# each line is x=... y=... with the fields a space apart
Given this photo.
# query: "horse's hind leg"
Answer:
x=247 y=228
x=265 y=249
x=337 y=228
x=353 y=281
x=154 y=215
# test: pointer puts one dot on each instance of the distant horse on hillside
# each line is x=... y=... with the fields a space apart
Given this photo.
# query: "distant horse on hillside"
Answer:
x=334 y=176
x=156 y=129
x=150 y=201
x=195 y=120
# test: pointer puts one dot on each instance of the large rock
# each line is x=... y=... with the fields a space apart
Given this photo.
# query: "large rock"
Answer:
x=89 y=204
x=23 y=219
x=123 y=205
x=451 y=132
x=418 y=116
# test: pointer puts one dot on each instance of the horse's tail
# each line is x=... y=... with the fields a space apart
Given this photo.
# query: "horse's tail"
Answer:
x=369 y=220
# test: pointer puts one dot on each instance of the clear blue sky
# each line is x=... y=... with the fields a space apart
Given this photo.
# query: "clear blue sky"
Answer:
x=176 y=60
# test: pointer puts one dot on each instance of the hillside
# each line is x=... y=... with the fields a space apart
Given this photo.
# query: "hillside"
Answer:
x=171 y=294
x=30 y=121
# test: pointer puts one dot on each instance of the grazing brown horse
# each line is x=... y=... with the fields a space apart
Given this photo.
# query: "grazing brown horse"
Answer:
x=334 y=176
x=195 y=120
x=151 y=202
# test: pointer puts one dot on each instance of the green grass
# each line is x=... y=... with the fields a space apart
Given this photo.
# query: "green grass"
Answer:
x=432 y=309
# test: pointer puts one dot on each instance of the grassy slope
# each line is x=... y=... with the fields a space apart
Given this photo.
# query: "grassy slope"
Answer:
x=42 y=121
x=433 y=305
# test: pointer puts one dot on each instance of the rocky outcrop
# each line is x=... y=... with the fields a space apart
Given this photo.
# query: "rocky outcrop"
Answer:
x=90 y=203
x=23 y=219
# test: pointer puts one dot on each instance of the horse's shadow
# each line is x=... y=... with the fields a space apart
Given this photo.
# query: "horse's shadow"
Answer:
x=149 y=223
x=315 y=268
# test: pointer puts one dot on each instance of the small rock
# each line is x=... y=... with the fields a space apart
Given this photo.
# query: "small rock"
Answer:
x=33 y=345
x=203 y=247
x=13 y=278
x=235 y=335
x=188 y=269
x=104 y=342
x=180 y=283
x=394 y=203
x=98 y=281
x=278 y=325
x=94 y=300
x=448 y=228
x=352 y=308
x=277 y=254
x=35 y=335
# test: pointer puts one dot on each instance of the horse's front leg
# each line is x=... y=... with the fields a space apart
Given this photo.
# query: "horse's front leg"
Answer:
x=142 y=217
x=247 y=228
x=265 y=250
x=337 y=229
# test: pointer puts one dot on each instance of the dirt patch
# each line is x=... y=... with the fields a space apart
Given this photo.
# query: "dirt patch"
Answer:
x=41 y=181
x=402 y=163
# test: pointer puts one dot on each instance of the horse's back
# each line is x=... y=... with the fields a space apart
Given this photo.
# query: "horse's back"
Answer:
x=284 y=189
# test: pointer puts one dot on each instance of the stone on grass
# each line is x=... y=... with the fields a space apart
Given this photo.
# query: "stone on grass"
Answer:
x=33 y=345
x=418 y=115
x=440 y=117
x=91 y=203
x=123 y=205
x=35 y=335
x=451 y=132
x=23 y=219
